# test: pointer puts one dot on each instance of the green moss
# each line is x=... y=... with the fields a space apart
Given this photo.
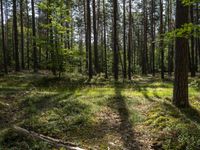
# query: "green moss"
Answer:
x=71 y=108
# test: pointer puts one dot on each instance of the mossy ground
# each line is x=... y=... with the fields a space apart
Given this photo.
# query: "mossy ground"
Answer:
x=99 y=114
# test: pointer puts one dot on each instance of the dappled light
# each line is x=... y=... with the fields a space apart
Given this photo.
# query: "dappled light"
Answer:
x=99 y=74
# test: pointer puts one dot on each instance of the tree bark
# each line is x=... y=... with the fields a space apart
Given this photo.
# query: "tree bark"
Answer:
x=180 y=93
x=17 y=66
x=3 y=41
x=35 y=57
x=115 y=40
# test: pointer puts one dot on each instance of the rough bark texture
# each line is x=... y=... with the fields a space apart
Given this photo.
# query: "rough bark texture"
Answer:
x=180 y=97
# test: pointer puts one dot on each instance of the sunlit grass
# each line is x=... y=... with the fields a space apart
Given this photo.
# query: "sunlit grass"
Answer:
x=73 y=109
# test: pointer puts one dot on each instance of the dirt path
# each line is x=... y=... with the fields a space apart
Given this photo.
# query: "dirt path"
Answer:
x=123 y=135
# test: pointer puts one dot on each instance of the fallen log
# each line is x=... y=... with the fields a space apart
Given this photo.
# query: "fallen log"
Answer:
x=49 y=140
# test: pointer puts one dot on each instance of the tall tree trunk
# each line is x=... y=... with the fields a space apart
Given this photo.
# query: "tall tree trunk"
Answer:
x=161 y=40
x=22 y=34
x=105 y=40
x=90 y=71
x=180 y=93
x=130 y=40
x=35 y=57
x=6 y=10
x=86 y=34
x=153 y=36
x=171 y=44
x=28 y=36
x=145 y=28
x=96 y=62
x=115 y=40
x=3 y=41
x=17 y=66
x=193 y=68
x=124 y=38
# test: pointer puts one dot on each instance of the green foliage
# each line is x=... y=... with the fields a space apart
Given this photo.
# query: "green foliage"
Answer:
x=185 y=31
x=190 y=2
x=58 y=16
x=177 y=129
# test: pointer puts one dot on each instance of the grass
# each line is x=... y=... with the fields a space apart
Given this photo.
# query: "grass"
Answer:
x=98 y=114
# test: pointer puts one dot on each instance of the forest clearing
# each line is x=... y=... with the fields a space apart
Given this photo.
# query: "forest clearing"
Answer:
x=99 y=74
x=100 y=114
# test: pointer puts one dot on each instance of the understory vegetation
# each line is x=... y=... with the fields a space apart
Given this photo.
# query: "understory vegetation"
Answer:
x=96 y=114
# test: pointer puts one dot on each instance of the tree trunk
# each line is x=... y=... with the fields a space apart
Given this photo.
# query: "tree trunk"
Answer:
x=96 y=62
x=105 y=41
x=161 y=41
x=17 y=66
x=124 y=38
x=22 y=34
x=3 y=41
x=90 y=72
x=115 y=40
x=35 y=59
x=180 y=93
x=130 y=40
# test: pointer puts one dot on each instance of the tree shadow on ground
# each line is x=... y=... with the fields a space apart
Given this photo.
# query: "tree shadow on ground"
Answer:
x=192 y=114
x=187 y=114
x=125 y=128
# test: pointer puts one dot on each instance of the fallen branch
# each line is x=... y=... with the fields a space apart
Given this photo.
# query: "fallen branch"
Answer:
x=50 y=140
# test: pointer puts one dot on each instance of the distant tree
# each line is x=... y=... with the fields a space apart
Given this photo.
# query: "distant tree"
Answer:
x=96 y=55
x=145 y=43
x=130 y=41
x=105 y=40
x=115 y=40
x=35 y=57
x=90 y=70
x=161 y=40
x=3 y=40
x=22 y=33
x=124 y=39
x=16 y=50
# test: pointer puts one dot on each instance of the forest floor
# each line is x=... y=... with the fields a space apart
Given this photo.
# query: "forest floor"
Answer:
x=99 y=115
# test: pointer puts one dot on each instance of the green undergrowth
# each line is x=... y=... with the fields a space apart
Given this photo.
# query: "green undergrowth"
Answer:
x=91 y=113
x=177 y=129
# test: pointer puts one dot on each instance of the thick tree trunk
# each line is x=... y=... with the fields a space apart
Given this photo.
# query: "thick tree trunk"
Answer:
x=180 y=95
